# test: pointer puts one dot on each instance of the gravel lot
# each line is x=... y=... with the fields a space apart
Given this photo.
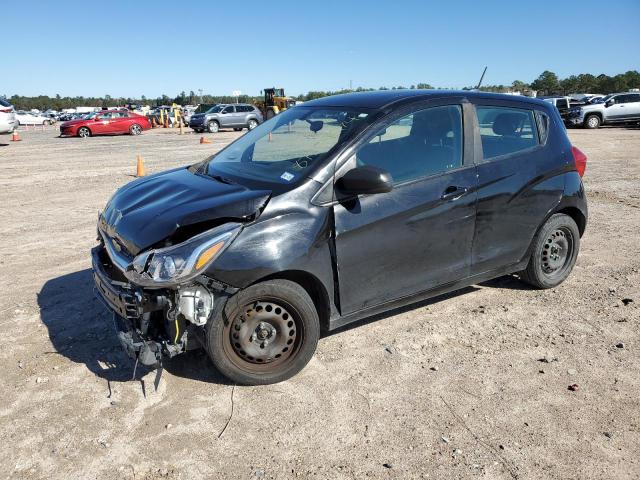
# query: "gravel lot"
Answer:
x=473 y=384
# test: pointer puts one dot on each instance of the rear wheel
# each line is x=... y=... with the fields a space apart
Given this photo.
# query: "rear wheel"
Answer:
x=554 y=252
x=84 y=132
x=267 y=334
x=135 y=129
x=213 y=126
x=270 y=114
x=592 y=121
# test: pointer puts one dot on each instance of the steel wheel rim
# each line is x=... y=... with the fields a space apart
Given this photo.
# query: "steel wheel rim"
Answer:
x=557 y=251
x=265 y=335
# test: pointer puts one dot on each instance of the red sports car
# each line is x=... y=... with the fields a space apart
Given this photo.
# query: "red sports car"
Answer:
x=105 y=122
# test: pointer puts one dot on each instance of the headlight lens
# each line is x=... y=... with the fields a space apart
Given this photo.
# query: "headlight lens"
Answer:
x=179 y=263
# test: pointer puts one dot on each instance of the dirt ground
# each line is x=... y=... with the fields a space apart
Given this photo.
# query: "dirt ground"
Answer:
x=474 y=384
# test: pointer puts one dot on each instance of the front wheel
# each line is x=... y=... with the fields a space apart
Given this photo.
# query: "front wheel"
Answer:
x=252 y=124
x=84 y=132
x=592 y=121
x=135 y=129
x=554 y=252
x=267 y=333
x=213 y=126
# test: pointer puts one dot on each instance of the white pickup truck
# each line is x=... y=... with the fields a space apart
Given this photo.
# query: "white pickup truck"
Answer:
x=614 y=108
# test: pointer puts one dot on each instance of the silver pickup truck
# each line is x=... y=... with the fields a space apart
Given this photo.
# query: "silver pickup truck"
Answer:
x=614 y=108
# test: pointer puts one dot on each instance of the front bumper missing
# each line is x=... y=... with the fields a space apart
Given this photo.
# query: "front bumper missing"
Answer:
x=149 y=323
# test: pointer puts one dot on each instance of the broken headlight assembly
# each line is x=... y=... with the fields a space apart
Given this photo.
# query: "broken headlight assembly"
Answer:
x=177 y=264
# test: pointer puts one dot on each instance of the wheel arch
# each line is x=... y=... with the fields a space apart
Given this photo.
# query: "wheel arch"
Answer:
x=577 y=216
x=314 y=288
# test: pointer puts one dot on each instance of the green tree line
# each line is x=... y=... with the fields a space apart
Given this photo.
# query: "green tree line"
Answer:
x=548 y=83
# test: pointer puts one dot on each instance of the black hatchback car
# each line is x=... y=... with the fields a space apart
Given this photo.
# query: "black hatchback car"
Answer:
x=333 y=211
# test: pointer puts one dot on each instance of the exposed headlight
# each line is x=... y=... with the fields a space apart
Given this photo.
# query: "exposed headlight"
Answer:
x=179 y=263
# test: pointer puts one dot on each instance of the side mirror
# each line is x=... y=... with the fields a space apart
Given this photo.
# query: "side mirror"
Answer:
x=609 y=103
x=365 y=180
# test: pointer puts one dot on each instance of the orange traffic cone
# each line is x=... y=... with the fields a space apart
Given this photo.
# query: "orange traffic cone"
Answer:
x=153 y=122
x=15 y=136
x=204 y=140
x=140 y=167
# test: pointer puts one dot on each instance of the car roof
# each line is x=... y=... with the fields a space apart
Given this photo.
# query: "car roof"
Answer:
x=380 y=99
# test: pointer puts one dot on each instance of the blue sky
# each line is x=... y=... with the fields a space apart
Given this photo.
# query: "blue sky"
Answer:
x=133 y=48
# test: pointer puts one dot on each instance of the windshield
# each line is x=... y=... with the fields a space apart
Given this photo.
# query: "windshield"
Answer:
x=286 y=148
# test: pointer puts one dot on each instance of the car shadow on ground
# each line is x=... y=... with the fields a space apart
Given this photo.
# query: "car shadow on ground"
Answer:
x=81 y=329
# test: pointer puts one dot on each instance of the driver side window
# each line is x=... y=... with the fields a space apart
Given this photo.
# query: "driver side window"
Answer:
x=423 y=143
x=228 y=109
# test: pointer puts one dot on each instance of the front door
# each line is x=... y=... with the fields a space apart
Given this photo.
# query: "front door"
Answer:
x=419 y=235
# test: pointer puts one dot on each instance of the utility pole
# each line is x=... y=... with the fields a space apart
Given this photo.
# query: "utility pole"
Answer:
x=200 y=92
x=350 y=84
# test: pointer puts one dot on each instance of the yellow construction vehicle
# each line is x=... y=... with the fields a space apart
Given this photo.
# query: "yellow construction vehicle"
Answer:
x=274 y=102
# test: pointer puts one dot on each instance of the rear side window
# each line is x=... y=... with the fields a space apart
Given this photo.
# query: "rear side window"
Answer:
x=505 y=130
x=543 y=126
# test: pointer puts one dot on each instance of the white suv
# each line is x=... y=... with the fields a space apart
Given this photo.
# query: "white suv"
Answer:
x=8 y=120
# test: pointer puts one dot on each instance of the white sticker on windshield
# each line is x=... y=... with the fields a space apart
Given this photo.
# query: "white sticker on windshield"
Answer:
x=286 y=176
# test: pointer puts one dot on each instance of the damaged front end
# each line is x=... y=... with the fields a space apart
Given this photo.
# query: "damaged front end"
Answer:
x=160 y=298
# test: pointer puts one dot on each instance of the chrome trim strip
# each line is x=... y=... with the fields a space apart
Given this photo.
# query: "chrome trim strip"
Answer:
x=118 y=259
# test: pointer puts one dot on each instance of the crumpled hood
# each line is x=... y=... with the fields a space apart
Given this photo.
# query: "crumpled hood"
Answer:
x=147 y=211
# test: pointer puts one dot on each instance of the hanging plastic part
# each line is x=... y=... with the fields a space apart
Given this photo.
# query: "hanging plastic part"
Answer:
x=159 y=369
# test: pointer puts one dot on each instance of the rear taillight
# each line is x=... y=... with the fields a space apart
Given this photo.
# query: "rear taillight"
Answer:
x=580 y=159
x=6 y=110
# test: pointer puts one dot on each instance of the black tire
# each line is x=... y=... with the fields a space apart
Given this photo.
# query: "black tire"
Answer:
x=281 y=308
x=198 y=130
x=592 y=121
x=237 y=129
x=553 y=252
x=84 y=132
x=252 y=123
x=270 y=114
x=135 y=129
x=213 y=126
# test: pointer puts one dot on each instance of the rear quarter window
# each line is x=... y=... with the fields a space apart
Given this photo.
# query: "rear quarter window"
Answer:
x=506 y=130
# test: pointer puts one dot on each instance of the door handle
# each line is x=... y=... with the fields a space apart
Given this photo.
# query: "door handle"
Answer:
x=453 y=192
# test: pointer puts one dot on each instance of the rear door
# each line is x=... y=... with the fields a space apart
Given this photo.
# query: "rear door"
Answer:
x=120 y=122
x=519 y=180
x=632 y=105
x=419 y=235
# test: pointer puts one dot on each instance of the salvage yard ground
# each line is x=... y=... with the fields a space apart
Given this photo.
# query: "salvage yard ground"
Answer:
x=474 y=384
